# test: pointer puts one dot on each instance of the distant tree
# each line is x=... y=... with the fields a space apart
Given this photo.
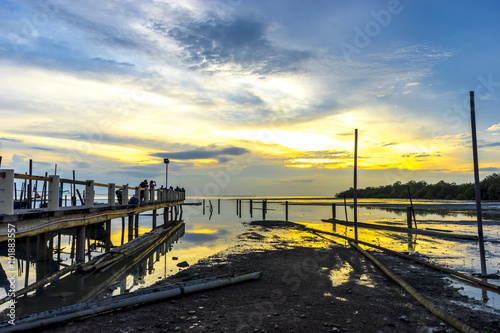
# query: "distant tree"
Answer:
x=489 y=186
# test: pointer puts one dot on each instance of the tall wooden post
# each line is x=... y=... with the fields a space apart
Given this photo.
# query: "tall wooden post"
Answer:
x=80 y=244
x=264 y=210
x=136 y=226
x=154 y=218
x=130 y=227
x=251 y=208
x=334 y=211
x=356 y=184
x=218 y=206
x=286 y=210
x=478 y=189
x=408 y=217
x=240 y=208
x=108 y=235
x=203 y=206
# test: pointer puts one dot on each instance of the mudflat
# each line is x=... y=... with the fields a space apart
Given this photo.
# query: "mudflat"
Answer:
x=309 y=284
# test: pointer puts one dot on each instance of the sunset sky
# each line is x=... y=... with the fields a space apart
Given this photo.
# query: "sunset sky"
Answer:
x=251 y=97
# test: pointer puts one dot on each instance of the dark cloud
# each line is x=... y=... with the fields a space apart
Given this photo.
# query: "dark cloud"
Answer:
x=112 y=62
x=10 y=140
x=493 y=169
x=42 y=148
x=203 y=154
x=490 y=144
x=240 y=42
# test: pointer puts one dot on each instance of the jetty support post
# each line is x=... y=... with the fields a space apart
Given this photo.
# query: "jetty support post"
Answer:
x=152 y=198
x=108 y=235
x=155 y=212
x=136 y=226
x=89 y=194
x=125 y=195
x=53 y=202
x=111 y=194
x=477 y=187
x=6 y=191
x=334 y=211
x=130 y=227
x=80 y=244
x=286 y=210
x=409 y=220
x=181 y=212
x=218 y=206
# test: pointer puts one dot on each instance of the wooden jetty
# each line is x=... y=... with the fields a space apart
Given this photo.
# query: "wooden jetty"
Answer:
x=17 y=223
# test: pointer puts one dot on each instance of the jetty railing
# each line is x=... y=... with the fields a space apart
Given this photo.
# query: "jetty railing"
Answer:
x=55 y=183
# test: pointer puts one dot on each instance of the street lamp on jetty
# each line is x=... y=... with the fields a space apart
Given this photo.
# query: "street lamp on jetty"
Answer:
x=166 y=161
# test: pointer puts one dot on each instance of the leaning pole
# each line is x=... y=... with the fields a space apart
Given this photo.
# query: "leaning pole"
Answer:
x=478 y=189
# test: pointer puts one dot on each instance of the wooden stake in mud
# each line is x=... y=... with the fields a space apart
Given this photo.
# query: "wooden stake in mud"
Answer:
x=356 y=184
x=264 y=210
x=478 y=190
x=412 y=210
x=239 y=209
x=286 y=210
x=203 y=206
x=334 y=213
x=237 y=206
x=345 y=207
x=251 y=208
x=218 y=206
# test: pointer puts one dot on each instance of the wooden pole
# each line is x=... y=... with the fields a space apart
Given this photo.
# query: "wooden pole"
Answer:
x=286 y=210
x=123 y=231
x=251 y=208
x=203 y=206
x=264 y=210
x=30 y=184
x=408 y=217
x=236 y=206
x=334 y=213
x=356 y=184
x=239 y=209
x=478 y=189
x=412 y=209
x=218 y=206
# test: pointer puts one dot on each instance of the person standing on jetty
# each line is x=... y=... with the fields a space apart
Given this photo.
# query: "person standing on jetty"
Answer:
x=143 y=187
x=152 y=185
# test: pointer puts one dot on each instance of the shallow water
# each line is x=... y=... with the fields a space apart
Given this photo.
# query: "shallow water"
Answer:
x=207 y=234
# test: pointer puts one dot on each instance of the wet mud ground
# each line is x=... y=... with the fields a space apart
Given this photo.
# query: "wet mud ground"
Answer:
x=309 y=284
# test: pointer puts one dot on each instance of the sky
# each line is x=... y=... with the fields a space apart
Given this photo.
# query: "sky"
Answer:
x=250 y=97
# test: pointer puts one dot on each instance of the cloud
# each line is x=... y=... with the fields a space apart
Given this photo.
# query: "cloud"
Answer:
x=493 y=128
x=204 y=154
x=10 y=140
x=214 y=44
x=489 y=169
x=490 y=144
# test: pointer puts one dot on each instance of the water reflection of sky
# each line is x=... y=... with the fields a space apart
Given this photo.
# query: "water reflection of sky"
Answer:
x=204 y=237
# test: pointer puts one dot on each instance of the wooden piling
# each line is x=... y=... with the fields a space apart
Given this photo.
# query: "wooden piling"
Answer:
x=237 y=206
x=334 y=211
x=240 y=208
x=477 y=186
x=136 y=226
x=203 y=204
x=286 y=210
x=30 y=184
x=123 y=231
x=59 y=246
x=251 y=208
x=130 y=227
x=154 y=218
x=218 y=206
x=108 y=235
x=408 y=217
x=80 y=244
x=264 y=210
x=356 y=184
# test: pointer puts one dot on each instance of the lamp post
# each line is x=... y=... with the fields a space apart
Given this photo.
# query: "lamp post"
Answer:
x=166 y=161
